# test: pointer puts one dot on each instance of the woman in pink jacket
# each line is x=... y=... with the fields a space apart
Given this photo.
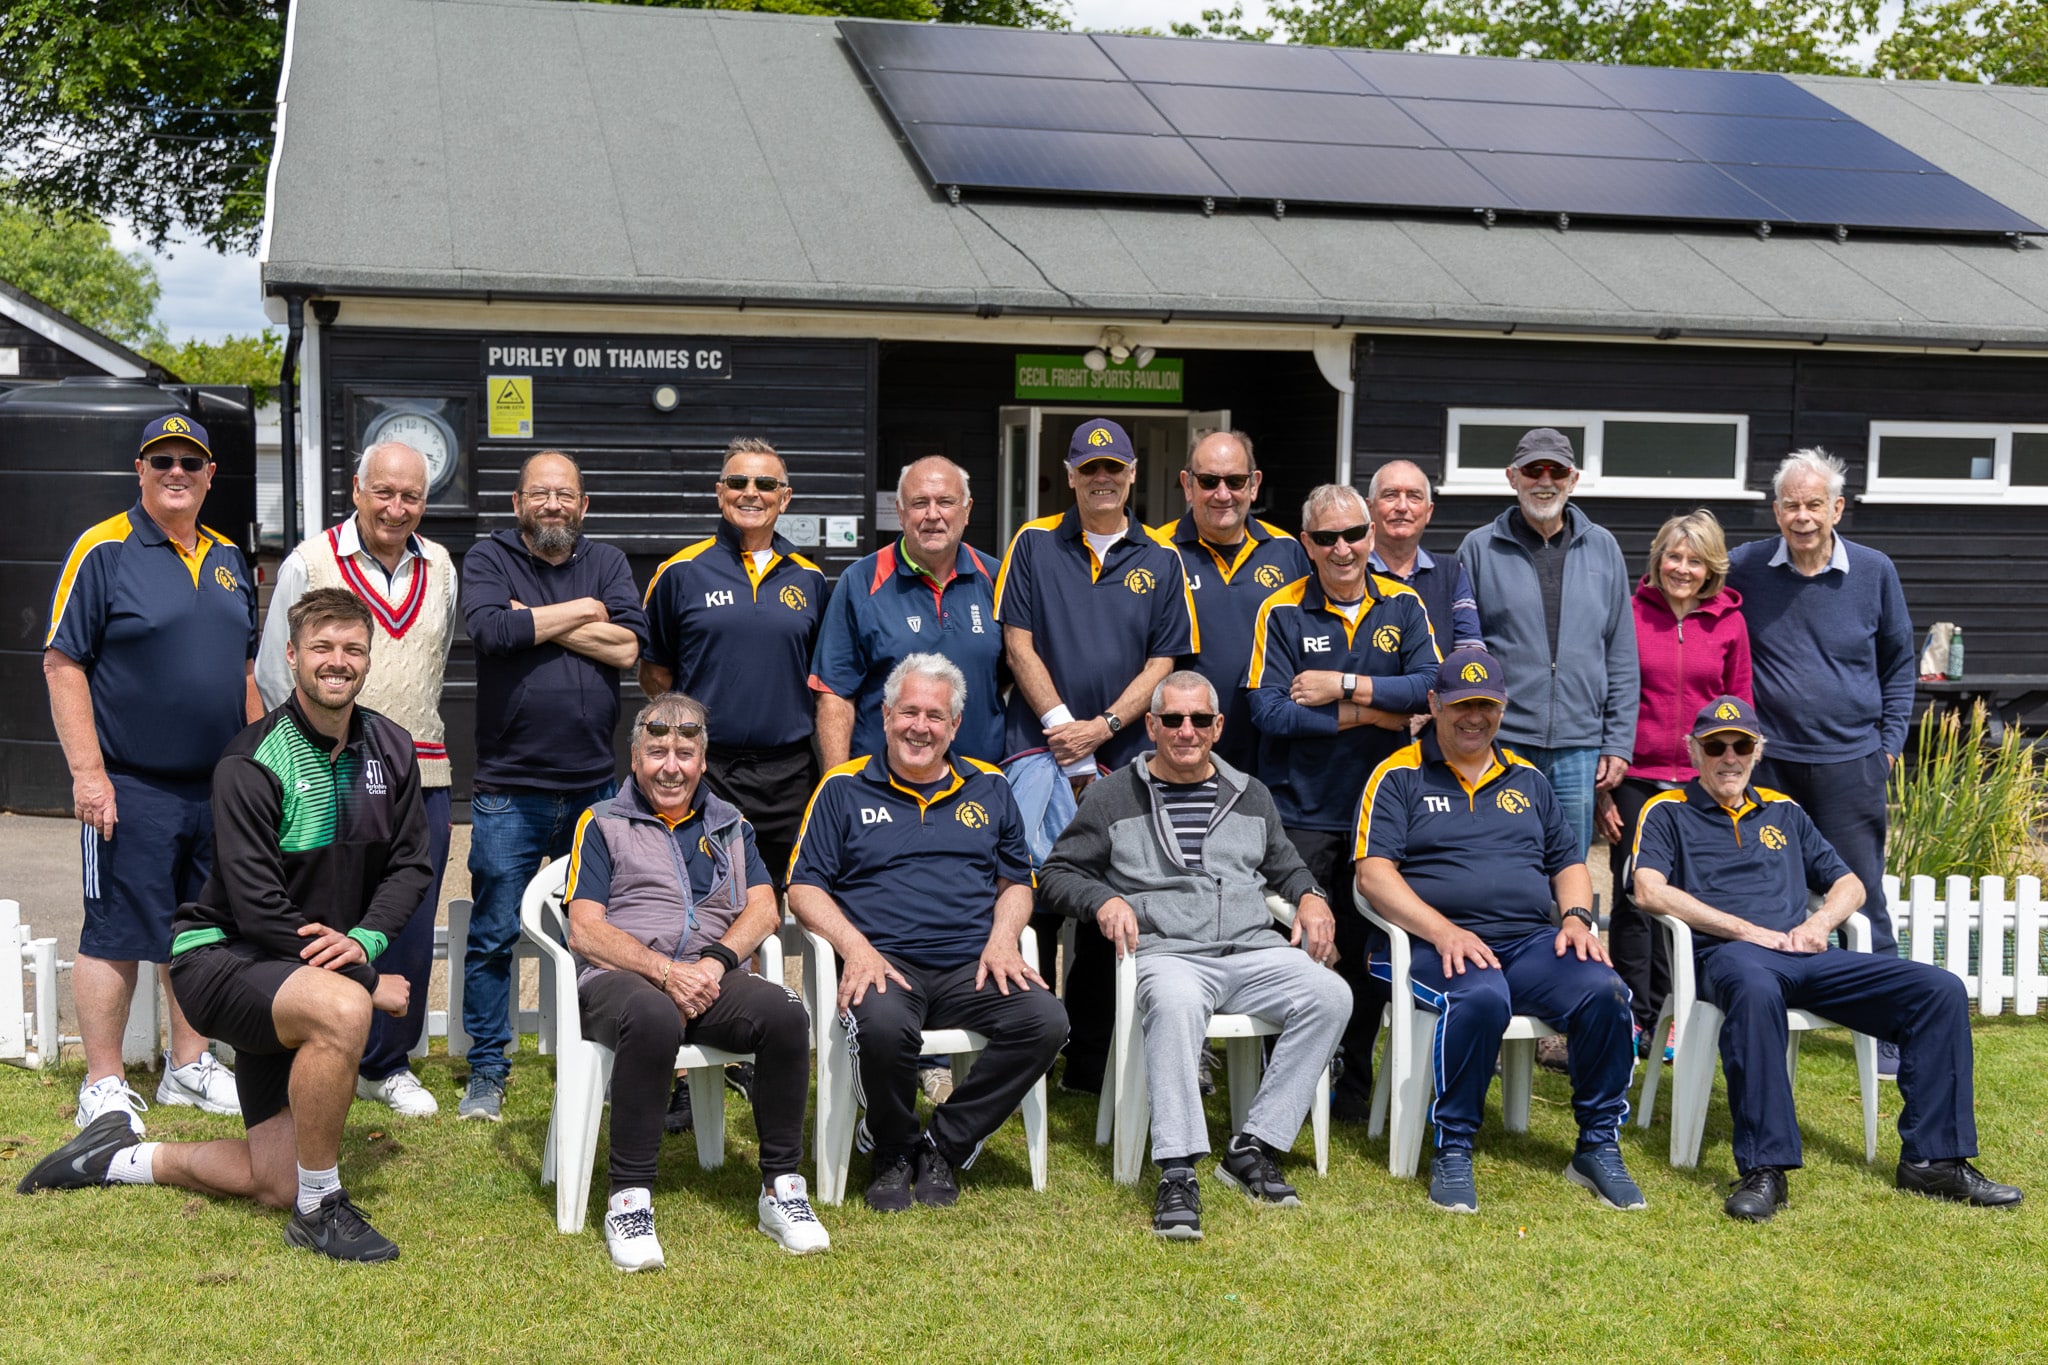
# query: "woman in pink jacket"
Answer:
x=1693 y=646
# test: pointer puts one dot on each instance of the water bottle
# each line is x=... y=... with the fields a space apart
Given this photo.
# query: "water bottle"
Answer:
x=1955 y=655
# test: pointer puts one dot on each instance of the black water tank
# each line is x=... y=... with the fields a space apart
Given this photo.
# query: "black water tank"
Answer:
x=67 y=461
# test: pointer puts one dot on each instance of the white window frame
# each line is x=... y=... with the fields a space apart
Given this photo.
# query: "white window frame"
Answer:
x=1996 y=489
x=1592 y=482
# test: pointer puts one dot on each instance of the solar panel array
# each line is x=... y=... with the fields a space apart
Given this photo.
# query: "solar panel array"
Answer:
x=1105 y=114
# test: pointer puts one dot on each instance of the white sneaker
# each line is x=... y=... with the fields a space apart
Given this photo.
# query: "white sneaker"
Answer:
x=203 y=1084
x=629 y=1232
x=109 y=1092
x=786 y=1216
x=402 y=1091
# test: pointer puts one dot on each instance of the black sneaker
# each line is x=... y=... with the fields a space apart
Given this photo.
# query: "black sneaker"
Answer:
x=337 y=1229
x=1887 y=1061
x=936 y=1187
x=1177 y=1213
x=739 y=1078
x=1759 y=1194
x=889 y=1191
x=82 y=1163
x=1958 y=1182
x=1246 y=1165
x=679 y=1119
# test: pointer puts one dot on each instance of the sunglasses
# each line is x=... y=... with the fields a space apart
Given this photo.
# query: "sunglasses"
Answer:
x=1171 y=720
x=688 y=729
x=1208 y=482
x=1095 y=467
x=1350 y=535
x=763 y=483
x=1714 y=748
x=191 y=464
x=1546 y=468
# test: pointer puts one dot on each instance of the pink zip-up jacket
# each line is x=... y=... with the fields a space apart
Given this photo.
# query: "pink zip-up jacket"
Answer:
x=1685 y=665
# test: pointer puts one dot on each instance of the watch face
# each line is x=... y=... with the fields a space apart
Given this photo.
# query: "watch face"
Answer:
x=423 y=432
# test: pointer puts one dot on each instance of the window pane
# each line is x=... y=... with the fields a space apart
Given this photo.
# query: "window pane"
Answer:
x=2029 y=459
x=1936 y=457
x=1491 y=447
x=1668 y=450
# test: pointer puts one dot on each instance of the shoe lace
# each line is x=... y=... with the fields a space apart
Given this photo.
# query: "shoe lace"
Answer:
x=1179 y=1194
x=1607 y=1158
x=1454 y=1168
x=118 y=1093
x=343 y=1215
x=936 y=1167
x=633 y=1223
x=797 y=1209
x=1757 y=1181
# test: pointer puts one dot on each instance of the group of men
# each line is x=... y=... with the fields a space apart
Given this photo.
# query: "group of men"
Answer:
x=1196 y=716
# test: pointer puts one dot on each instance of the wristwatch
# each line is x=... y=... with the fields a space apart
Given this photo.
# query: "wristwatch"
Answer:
x=1350 y=685
x=1583 y=916
x=1113 y=721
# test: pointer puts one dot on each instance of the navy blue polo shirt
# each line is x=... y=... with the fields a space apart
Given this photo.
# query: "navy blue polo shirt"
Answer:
x=1228 y=585
x=916 y=876
x=1757 y=863
x=1093 y=623
x=590 y=858
x=1315 y=771
x=885 y=608
x=1481 y=856
x=165 y=639
x=739 y=640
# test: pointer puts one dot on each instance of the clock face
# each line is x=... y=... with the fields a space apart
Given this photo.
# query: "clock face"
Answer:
x=423 y=432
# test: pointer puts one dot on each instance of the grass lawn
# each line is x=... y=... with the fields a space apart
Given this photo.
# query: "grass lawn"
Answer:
x=1365 y=1270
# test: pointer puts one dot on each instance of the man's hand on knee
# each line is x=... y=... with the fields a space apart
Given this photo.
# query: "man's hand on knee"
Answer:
x=329 y=949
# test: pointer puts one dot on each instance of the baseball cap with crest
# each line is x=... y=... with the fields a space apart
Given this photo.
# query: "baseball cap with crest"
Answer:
x=1099 y=439
x=1469 y=674
x=1727 y=713
x=174 y=426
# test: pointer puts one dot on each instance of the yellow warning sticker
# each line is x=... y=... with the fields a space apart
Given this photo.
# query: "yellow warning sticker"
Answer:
x=511 y=405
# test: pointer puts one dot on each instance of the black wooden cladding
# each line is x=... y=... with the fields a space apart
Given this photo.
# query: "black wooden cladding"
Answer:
x=41 y=358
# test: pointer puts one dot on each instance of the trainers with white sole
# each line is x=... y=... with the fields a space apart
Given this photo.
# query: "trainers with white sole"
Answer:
x=106 y=1094
x=202 y=1084
x=629 y=1232
x=787 y=1216
x=402 y=1091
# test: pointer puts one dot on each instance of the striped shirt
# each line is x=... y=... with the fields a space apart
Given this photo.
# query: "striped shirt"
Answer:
x=1189 y=807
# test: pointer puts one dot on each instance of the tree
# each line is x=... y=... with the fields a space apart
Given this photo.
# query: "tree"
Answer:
x=254 y=361
x=2005 y=41
x=70 y=263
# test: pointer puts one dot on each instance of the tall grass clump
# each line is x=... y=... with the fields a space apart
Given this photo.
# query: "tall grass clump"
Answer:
x=1965 y=808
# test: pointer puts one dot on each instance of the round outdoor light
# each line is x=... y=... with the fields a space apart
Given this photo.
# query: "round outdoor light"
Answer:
x=1094 y=359
x=1143 y=356
x=666 y=398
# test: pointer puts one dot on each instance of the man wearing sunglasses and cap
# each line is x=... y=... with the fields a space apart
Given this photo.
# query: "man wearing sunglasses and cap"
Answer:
x=1737 y=863
x=149 y=659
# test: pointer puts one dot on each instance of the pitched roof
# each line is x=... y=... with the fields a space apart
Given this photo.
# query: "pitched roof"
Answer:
x=93 y=347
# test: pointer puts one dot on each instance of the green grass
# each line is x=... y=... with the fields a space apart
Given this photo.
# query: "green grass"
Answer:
x=1851 y=1271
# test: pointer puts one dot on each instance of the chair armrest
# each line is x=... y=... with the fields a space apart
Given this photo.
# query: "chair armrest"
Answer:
x=1280 y=910
x=1857 y=926
x=1399 y=948
x=1683 y=985
x=1027 y=947
x=768 y=958
x=544 y=922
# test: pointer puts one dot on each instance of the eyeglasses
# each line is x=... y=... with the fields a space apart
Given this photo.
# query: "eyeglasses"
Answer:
x=1171 y=720
x=1350 y=535
x=1208 y=482
x=1714 y=748
x=763 y=483
x=687 y=729
x=541 y=497
x=1096 y=467
x=1550 y=469
x=191 y=464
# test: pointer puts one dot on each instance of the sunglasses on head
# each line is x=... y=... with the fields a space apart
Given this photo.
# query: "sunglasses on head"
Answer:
x=191 y=464
x=1714 y=748
x=1537 y=469
x=1171 y=719
x=1092 y=468
x=763 y=483
x=688 y=729
x=1350 y=535
x=1208 y=482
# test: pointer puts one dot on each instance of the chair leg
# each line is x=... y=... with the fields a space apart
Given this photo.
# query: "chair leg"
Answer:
x=1035 y=1134
x=572 y=1138
x=1865 y=1047
x=835 y=1119
x=1653 y=1070
x=1692 y=1083
x=1410 y=1103
x=1319 y=1122
x=1517 y=1080
x=1244 y=1060
x=707 y=1110
x=1133 y=1120
x=1792 y=1056
x=1382 y=1084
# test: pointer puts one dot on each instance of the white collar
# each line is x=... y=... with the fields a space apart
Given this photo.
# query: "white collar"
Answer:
x=349 y=541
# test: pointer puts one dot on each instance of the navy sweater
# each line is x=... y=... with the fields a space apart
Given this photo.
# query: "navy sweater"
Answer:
x=1831 y=655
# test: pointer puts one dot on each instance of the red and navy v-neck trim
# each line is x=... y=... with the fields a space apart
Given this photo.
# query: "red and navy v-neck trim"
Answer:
x=396 y=617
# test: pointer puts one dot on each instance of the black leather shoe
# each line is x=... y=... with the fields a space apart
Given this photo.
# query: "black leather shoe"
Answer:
x=1958 y=1182
x=1759 y=1194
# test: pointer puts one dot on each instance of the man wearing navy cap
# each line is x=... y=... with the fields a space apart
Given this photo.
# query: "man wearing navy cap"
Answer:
x=1464 y=845
x=1736 y=862
x=911 y=863
x=149 y=660
x=1094 y=614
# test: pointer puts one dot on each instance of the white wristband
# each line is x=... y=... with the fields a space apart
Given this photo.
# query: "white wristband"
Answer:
x=1059 y=715
x=1080 y=767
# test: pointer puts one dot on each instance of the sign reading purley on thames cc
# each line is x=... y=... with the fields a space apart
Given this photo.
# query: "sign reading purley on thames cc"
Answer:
x=609 y=357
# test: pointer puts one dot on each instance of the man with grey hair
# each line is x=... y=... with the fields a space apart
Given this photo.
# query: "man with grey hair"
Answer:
x=1827 y=619
x=408 y=582
x=1173 y=856
x=928 y=591
x=1402 y=504
x=1340 y=660
x=912 y=864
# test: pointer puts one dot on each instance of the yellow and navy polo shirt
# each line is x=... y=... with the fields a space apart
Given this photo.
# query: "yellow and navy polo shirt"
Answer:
x=737 y=640
x=165 y=638
x=1757 y=862
x=1093 y=622
x=884 y=608
x=1482 y=856
x=1314 y=769
x=917 y=875
x=1228 y=587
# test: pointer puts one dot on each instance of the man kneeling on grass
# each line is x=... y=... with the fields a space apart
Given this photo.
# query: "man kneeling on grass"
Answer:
x=667 y=897
x=1736 y=863
x=320 y=857
x=1172 y=857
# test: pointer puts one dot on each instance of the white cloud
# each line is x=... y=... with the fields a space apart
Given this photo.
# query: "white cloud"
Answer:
x=205 y=294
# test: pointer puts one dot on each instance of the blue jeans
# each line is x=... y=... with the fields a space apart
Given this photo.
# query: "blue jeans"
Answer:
x=411 y=955
x=1571 y=773
x=1045 y=800
x=510 y=835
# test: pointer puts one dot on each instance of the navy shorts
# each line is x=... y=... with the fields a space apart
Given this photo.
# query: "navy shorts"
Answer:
x=229 y=991
x=160 y=855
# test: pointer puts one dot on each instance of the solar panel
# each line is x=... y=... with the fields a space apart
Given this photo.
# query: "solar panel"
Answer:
x=1111 y=114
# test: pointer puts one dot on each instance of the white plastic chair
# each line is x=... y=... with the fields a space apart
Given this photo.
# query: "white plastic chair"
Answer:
x=1698 y=1046
x=583 y=1067
x=1125 y=1109
x=837 y=1112
x=1403 y=1088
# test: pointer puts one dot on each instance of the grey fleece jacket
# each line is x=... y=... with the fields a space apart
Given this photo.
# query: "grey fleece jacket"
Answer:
x=1120 y=843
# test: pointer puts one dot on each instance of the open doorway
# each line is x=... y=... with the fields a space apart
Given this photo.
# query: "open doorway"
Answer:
x=1034 y=459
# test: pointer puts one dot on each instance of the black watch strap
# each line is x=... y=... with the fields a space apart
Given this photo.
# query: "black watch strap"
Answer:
x=1113 y=721
x=1583 y=916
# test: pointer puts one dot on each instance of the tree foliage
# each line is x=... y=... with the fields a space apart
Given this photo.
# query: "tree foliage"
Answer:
x=2004 y=41
x=252 y=360
x=69 y=262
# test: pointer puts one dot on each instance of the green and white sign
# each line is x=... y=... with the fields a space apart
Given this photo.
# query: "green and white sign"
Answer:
x=1067 y=378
